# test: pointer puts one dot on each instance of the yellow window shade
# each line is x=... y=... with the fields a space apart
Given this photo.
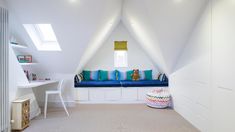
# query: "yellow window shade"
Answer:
x=120 y=45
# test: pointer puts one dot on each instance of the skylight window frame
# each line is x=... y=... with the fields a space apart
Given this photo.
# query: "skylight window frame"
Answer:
x=38 y=41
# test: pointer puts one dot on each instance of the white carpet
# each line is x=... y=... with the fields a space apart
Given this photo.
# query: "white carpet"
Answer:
x=111 y=118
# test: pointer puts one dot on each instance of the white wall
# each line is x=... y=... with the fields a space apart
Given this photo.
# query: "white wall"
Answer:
x=104 y=58
x=223 y=22
x=202 y=84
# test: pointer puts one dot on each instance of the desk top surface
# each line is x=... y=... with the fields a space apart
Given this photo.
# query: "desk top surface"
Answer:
x=33 y=84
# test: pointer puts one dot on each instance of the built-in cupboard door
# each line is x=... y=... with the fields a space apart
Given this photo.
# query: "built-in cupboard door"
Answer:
x=223 y=62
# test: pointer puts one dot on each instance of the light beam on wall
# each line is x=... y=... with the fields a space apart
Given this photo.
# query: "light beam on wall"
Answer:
x=96 y=43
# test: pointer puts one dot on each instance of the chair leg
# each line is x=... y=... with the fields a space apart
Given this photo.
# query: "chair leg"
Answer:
x=62 y=101
x=45 y=106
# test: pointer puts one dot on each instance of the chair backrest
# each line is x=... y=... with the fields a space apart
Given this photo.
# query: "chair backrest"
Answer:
x=60 y=85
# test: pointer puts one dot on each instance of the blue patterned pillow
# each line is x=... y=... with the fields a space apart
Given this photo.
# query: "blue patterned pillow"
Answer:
x=162 y=77
x=142 y=75
x=94 y=75
x=112 y=75
x=122 y=75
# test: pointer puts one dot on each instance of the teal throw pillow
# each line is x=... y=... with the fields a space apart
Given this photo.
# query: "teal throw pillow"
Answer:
x=148 y=75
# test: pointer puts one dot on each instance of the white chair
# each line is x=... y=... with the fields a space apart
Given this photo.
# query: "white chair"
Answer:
x=58 y=91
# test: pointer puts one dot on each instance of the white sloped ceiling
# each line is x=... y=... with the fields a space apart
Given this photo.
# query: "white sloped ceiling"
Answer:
x=76 y=25
x=161 y=27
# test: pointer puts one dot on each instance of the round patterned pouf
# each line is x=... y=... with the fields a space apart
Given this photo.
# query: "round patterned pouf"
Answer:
x=159 y=98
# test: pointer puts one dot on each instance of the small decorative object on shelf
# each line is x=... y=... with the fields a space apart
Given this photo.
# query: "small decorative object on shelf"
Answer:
x=47 y=79
x=33 y=77
x=21 y=58
x=28 y=58
x=13 y=41
x=24 y=58
x=27 y=74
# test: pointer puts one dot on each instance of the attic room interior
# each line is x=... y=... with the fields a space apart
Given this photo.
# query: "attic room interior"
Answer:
x=117 y=65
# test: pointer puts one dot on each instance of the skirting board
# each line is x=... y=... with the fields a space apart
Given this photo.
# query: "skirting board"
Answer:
x=110 y=102
x=74 y=103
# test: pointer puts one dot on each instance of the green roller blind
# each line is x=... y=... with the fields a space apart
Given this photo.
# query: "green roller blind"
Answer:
x=120 y=45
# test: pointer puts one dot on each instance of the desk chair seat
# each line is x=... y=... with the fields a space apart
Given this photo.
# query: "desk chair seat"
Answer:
x=58 y=91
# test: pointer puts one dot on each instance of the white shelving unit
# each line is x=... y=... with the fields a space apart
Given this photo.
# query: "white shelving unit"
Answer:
x=21 y=81
x=18 y=46
x=28 y=83
x=28 y=64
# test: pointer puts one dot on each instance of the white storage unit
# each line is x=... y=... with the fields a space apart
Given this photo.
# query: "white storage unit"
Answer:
x=96 y=94
x=20 y=114
x=81 y=94
x=129 y=94
x=104 y=94
x=113 y=94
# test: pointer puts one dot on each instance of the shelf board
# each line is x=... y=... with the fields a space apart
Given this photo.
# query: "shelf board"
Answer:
x=28 y=64
x=18 y=46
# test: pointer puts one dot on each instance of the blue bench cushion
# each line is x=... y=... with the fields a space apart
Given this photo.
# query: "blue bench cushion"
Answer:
x=140 y=83
x=144 y=83
x=98 y=84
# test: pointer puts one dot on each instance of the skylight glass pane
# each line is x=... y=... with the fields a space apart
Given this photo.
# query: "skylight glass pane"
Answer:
x=46 y=32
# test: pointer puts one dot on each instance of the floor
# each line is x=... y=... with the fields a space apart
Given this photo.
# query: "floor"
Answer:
x=111 y=118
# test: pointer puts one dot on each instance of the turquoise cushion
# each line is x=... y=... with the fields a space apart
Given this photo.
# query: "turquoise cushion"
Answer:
x=86 y=75
x=107 y=75
x=103 y=75
x=129 y=75
x=148 y=75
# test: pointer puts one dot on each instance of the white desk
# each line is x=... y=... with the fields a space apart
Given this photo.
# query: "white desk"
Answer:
x=33 y=84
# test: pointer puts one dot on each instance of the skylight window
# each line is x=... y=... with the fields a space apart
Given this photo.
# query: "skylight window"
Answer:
x=46 y=32
x=43 y=37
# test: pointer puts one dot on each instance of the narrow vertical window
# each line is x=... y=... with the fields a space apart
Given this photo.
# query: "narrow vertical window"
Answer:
x=120 y=54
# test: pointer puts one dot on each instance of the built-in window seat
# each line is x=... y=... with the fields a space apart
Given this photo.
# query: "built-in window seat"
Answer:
x=115 y=86
x=116 y=91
